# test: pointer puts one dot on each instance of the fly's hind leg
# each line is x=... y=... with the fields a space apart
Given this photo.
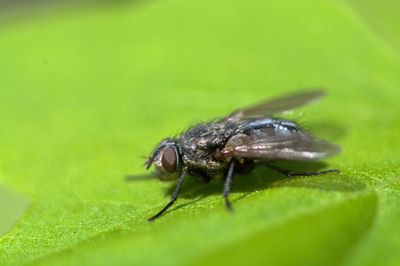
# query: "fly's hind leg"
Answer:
x=227 y=185
x=290 y=173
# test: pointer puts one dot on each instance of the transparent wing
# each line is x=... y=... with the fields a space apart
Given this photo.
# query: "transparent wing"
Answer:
x=273 y=144
x=278 y=105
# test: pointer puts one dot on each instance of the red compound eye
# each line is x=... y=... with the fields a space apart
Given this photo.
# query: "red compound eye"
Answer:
x=169 y=160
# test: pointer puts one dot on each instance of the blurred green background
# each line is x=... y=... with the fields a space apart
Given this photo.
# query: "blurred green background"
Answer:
x=87 y=89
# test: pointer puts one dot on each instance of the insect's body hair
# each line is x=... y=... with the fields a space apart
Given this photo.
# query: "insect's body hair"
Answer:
x=238 y=142
x=199 y=143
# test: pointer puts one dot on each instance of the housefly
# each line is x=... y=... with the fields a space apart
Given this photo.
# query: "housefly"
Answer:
x=237 y=143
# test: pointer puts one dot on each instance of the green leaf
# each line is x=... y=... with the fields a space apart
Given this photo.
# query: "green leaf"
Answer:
x=85 y=94
x=12 y=206
x=381 y=17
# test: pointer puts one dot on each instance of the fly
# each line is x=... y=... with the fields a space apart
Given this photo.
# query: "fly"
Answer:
x=237 y=143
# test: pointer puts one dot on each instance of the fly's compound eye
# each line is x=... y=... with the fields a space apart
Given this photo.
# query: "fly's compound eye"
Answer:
x=169 y=160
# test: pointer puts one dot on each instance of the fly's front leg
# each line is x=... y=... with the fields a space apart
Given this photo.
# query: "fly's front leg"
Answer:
x=173 y=197
x=290 y=173
x=227 y=185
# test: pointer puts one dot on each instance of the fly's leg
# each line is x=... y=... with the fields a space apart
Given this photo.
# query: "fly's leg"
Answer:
x=289 y=173
x=227 y=185
x=173 y=197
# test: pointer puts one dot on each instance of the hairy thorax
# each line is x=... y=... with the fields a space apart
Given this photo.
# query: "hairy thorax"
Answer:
x=200 y=143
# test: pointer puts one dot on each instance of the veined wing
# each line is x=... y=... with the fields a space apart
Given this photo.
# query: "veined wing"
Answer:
x=275 y=144
x=276 y=106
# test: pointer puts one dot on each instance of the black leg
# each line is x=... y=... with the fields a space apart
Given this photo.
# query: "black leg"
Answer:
x=289 y=173
x=173 y=198
x=228 y=182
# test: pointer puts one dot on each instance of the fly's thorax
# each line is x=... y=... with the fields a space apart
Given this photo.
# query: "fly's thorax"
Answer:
x=206 y=165
x=201 y=141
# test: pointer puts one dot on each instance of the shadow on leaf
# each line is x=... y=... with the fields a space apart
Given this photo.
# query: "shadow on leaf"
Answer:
x=334 y=130
x=262 y=178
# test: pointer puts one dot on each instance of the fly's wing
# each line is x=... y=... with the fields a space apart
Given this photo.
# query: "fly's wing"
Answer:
x=274 y=144
x=276 y=106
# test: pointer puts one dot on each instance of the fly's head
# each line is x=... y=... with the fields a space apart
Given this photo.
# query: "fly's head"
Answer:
x=167 y=159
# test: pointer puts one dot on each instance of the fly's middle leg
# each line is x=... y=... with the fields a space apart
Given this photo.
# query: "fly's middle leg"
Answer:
x=227 y=185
